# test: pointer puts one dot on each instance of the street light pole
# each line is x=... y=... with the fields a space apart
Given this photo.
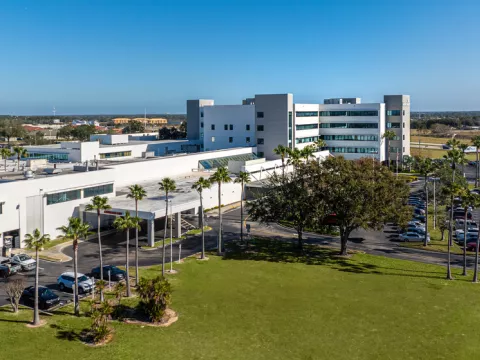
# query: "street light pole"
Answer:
x=171 y=240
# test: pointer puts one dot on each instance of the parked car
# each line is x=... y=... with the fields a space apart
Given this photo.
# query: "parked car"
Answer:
x=471 y=236
x=25 y=261
x=471 y=225
x=67 y=281
x=461 y=215
x=471 y=246
x=418 y=211
x=418 y=230
x=417 y=224
x=7 y=268
x=46 y=297
x=116 y=274
x=446 y=147
x=413 y=236
x=420 y=218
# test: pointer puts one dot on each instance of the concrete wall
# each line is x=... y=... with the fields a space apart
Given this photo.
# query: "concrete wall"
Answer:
x=401 y=103
x=226 y=115
x=110 y=139
x=195 y=118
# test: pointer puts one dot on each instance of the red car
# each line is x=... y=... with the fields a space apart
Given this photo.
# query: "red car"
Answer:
x=471 y=246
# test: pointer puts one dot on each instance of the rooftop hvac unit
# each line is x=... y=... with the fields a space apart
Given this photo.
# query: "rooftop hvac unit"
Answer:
x=28 y=174
x=148 y=154
x=52 y=171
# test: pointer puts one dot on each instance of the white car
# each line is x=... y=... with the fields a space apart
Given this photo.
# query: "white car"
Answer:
x=413 y=236
x=471 y=225
x=25 y=261
x=67 y=281
x=416 y=224
x=471 y=235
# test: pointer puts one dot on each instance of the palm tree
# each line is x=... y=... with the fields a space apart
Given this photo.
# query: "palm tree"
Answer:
x=294 y=157
x=468 y=199
x=126 y=223
x=282 y=151
x=476 y=143
x=388 y=135
x=425 y=168
x=99 y=204
x=307 y=152
x=243 y=178
x=409 y=161
x=320 y=143
x=36 y=241
x=166 y=185
x=21 y=152
x=74 y=231
x=5 y=153
x=462 y=147
x=137 y=193
x=200 y=185
x=220 y=176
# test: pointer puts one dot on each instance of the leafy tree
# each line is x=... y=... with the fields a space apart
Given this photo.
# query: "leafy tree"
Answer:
x=243 y=178
x=21 y=152
x=65 y=132
x=476 y=143
x=183 y=127
x=83 y=132
x=136 y=193
x=409 y=161
x=388 y=135
x=5 y=153
x=361 y=196
x=166 y=185
x=36 y=241
x=155 y=296
x=126 y=223
x=75 y=230
x=10 y=129
x=200 y=185
x=281 y=151
x=98 y=205
x=220 y=176
x=14 y=290
x=443 y=225
x=307 y=152
x=133 y=127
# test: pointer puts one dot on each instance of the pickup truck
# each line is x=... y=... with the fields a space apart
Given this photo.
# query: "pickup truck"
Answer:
x=7 y=268
x=25 y=261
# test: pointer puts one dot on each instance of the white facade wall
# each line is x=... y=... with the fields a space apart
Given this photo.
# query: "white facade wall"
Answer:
x=299 y=135
x=238 y=116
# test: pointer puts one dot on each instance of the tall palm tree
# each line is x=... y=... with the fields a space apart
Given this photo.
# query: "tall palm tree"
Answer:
x=220 y=176
x=200 y=185
x=388 y=135
x=308 y=151
x=99 y=204
x=75 y=230
x=5 y=153
x=136 y=193
x=462 y=147
x=476 y=143
x=167 y=184
x=281 y=151
x=320 y=143
x=467 y=199
x=36 y=241
x=21 y=152
x=294 y=157
x=425 y=167
x=126 y=223
x=243 y=178
x=409 y=161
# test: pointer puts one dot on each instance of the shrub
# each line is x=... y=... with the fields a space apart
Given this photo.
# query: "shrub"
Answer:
x=100 y=315
x=14 y=290
x=155 y=296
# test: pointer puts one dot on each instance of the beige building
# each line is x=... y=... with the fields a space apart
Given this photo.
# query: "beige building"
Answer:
x=153 y=121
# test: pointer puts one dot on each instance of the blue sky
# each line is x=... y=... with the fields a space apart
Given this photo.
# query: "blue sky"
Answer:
x=104 y=56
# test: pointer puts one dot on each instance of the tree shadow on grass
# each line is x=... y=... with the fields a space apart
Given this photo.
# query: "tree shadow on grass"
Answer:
x=68 y=334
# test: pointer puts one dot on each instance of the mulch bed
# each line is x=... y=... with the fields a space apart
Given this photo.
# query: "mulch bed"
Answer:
x=168 y=319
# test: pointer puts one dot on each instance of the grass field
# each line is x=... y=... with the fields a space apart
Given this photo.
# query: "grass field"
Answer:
x=434 y=140
x=435 y=153
x=277 y=305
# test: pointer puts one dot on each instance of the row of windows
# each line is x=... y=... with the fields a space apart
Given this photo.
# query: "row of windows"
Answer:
x=77 y=194
x=306 y=127
x=350 y=137
x=306 y=113
x=48 y=156
x=230 y=139
x=394 y=150
x=260 y=128
x=394 y=125
x=350 y=113
x=395 y=112
x=115 y=154
x=349 y=125
x=306 y=140
x=352 y=150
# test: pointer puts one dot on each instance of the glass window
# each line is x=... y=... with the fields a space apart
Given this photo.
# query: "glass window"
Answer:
x=213 y=127
x=394 y=150
x=98 y=190
x=306 y=127
x=247 y=127
x=393 y=112
x=247 y=139
x=306 y=140
x=225 y=127
x=49 y=156
x=306 y=113
x=352 y=150
x=403 y=112
x=403 y=137
x=349 y=125
x=115 y=154
x=231 y=127
x=260 y=141
x=201 y=114
x=260 y=114
x=393 y=125
x=63 y=197
x=259 y=127
x=213 y=138
x=1 y=208
x=350 y=113
x=404 y=125
x=350 y=137
x=290 y=127
x=230 y=139
x=260 y=154
x=201 y=125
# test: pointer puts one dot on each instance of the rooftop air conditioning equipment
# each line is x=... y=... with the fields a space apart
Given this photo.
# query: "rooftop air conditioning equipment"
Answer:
x=28 y=174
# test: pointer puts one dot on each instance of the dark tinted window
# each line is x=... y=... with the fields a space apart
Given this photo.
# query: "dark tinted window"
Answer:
x=259 y=114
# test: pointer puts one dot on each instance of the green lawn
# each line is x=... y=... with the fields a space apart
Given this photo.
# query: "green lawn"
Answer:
x=435 y=153
x=276 y=305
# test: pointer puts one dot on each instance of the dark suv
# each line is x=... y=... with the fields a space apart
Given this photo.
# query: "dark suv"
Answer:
x=7 y=268
x=116 y=274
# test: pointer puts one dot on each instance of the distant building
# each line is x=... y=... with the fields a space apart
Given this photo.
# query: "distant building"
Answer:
x=153 y=121
x=85 y=122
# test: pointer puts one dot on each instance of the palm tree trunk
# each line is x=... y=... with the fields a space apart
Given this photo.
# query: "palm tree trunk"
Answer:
x=36 y=315
x=475 y=274
x=127 y=260
x=203 y=226
x=219 y=250
x=136 y=245
x=283 y=166
x=465 y=244
x=241 y=214
x=164 y=235
x=171 y=240
x=449 y=270
x=75 y=273
x=100 y=252
x=388 y=153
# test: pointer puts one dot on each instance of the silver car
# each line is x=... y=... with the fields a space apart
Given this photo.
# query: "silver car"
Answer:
x=67 y=281
x=413 y=236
